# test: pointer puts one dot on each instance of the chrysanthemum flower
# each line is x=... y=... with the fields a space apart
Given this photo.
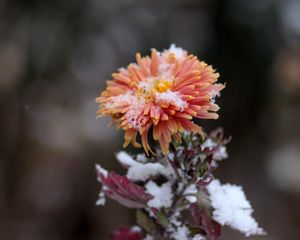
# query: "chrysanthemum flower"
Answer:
x=165 y=91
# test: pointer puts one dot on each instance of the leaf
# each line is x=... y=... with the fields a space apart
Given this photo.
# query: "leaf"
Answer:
x=145 y=221
x=212 y=228
x=122 y=190
x=196 y=230
x=205 y=221
x=161 y=217
x=126 y=234
x=182 y=205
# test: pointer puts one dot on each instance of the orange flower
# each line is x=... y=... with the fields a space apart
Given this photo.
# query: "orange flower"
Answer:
x=166 y=91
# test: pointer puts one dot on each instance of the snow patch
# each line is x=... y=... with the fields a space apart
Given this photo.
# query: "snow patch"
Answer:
x=162 y=194
x=104 y=172
x=142 y=171
x=232 y=208
x=135 y=229
x=181 y=233
x=214 y=94
x=101 y=170
x=115 y=101
x=101 y=201
x=147 y=84
x=220 y=154
x=148 y=237
x=198 y=237
x=141 y=157
x=208 y=144
x=190 y=191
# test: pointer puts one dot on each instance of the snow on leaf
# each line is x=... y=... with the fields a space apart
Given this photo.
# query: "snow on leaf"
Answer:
x=163 y=195
x=181 y=233
x=138 y=171
x=232 y=208
x=190 y=192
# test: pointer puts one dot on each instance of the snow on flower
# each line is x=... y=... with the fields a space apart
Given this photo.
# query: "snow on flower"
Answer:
x=163 y=195
x=121 y=189
x=142 y=171
x=232 y=208
x=165 y=91
x=178 y=52
x=171 y=97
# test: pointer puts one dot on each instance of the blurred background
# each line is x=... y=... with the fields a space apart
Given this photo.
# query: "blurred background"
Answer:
x=55 y=56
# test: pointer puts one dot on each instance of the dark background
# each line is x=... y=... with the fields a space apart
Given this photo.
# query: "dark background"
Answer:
x=55 y=56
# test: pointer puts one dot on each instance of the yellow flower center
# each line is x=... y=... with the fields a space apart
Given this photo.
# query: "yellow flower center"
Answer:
x=161 y=85
x=147 y=90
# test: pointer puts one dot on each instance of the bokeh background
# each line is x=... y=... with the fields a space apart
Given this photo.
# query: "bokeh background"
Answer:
x=55 y=56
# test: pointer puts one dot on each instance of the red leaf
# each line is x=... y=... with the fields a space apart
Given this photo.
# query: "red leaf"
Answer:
x=126 y=234
x=121 y=189
x=204 y=220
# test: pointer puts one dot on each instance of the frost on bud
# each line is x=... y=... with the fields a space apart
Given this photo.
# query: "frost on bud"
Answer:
x=122 y=190
x=195 y=161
